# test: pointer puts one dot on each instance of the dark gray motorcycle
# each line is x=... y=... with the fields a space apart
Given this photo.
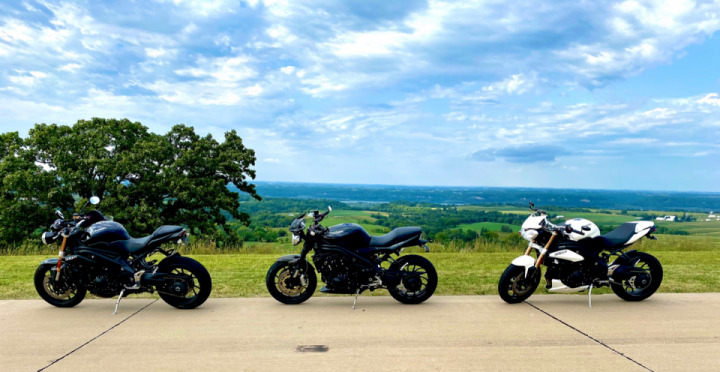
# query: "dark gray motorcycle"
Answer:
x=351 y=261
x=99 y=256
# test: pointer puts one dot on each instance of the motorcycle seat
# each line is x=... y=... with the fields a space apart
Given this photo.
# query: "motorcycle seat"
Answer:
x=131 y=245
x=618 y=237
x=160 y=235
x=396 y=236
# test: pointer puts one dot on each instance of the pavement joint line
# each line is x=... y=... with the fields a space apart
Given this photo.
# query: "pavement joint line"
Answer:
x=96 y=337
x=590 y=337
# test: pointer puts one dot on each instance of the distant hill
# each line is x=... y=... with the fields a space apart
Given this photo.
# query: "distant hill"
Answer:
x=604 y=199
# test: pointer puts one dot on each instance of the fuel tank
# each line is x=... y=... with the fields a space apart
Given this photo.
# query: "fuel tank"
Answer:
x=105 y=232
x=348 y=235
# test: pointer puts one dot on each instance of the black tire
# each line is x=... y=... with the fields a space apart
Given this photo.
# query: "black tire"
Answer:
x=514 y=287
x=67 y=294
x=418 y=282
x=192 y=290
x=640 y=287
x=288 y=289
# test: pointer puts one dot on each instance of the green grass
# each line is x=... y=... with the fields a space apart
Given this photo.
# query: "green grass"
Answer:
x=691 y=264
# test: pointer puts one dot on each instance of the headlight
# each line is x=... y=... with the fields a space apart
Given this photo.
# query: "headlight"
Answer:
x=295 y=239
x=530 y=234
x=48 y=237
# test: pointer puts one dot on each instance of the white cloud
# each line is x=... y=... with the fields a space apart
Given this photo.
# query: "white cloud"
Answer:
x=321 y=85
x=710 y=99
x=205 y=8
x=27 y=78
x=70 y=67
x=254 y=90
x=225 y=69
x=281 y=34
x=515 y=84
x=155 y=52
x=633 y=141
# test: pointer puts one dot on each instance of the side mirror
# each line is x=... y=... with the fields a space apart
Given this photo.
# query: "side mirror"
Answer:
x=94 y=200
x=329 y=208
x=59 y=214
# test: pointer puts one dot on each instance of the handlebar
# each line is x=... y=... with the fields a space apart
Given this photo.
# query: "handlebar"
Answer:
x=317 y=216
x=538 y=211
x=565 y=229
x=569 y=230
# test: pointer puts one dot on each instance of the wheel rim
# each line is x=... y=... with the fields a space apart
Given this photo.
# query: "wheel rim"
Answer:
x=188 y=288
x=637 y=284
x=415 y=279
x=287 y=285
x=65 y=293
x=520 y=285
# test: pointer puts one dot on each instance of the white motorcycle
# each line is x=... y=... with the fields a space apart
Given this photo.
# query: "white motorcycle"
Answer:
x=578 y=258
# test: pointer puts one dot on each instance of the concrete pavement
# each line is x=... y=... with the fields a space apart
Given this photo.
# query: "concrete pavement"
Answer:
x=667 y=332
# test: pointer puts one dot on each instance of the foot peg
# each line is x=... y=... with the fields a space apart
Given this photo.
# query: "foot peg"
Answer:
x=138 y=276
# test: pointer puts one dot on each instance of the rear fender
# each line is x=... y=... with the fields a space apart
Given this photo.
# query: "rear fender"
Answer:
x=527 y=262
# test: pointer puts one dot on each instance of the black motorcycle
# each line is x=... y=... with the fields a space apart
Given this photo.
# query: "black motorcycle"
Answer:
x=99 y=256
x=350 y=261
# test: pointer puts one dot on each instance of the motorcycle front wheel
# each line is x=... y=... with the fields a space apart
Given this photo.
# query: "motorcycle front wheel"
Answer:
x=514 y=287
x=418 y=279
x=64 y=293
x=190 y=285
x=291 y=284
x=643 y=285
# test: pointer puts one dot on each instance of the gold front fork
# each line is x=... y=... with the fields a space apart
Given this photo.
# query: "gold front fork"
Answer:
x=542 y=254
x=60 y=258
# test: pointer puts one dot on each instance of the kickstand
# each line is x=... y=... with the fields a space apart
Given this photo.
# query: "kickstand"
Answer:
x=590 y=296
x=356 y=296
x=122 y=293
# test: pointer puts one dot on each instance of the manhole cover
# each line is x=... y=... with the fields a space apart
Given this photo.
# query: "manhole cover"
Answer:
x=312 y=348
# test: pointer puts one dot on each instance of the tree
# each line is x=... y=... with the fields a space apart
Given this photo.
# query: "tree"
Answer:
x=184 y=178
x=86 y=156
x=28 y=193
x=145 y=179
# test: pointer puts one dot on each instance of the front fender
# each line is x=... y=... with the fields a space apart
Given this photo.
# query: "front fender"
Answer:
x=525 y=261
x=292 y=259
x=50 y=261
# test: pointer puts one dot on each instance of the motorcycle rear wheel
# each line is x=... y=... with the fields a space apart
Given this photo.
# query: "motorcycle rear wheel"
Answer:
x=193 y=290
x=418 y=281
x=66 y=294
x=648 y=283
x=514 y=287
x=289 y=289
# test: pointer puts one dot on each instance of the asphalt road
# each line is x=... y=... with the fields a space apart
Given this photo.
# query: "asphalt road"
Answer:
x=667 y=332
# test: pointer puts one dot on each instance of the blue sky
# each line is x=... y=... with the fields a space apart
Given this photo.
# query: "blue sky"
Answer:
x=565 y=94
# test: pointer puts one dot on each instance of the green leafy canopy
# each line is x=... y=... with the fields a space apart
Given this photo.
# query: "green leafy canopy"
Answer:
x=145 y=179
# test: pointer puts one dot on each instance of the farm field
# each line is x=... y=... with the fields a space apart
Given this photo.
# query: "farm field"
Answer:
x=610 y=220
